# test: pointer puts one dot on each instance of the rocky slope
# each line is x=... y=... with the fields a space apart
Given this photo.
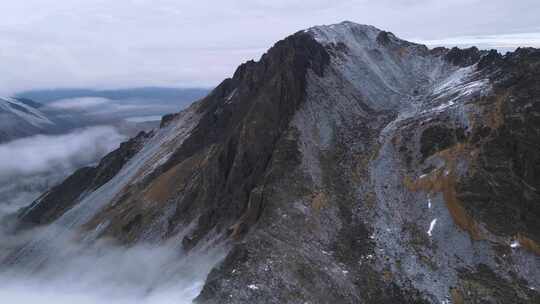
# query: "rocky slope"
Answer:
x=346 y=166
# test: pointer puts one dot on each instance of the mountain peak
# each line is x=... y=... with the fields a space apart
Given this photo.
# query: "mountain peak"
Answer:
x=343 y=32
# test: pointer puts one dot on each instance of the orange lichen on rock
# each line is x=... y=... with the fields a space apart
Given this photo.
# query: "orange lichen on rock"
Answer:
x=319 y=201
x=444 y=181
x=457 y=296
x=528 y=244
x=171 y=181
x=495 y=116
x=490 y=112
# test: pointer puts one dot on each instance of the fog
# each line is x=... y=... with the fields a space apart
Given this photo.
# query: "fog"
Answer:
x=67 y=270
x=55 y=265
x=41 y=153
x=100 y=109
x=79 y=103
x=31 y=165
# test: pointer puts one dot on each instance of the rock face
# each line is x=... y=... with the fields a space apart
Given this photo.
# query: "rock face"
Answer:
x=346 y=166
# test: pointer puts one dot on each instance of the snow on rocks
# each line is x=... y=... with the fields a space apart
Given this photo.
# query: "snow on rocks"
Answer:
x=515 y=244
x=431 y=226
x=229 y=98
x=25 y=112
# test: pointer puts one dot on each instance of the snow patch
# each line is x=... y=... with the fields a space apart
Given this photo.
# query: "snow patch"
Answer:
x=515 y=244
x=229 y=98
x=431 y=226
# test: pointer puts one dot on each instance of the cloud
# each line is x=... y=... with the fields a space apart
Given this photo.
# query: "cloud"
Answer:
x=99 y=110
x=78 y=103
x=53 y=266
x=143 y=118
x=32 y=165
x=41 y=153
x=108 y=44
x=501 y=42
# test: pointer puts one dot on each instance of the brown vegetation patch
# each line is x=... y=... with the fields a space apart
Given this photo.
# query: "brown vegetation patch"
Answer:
x=457 y=296
x=495 y=117
x=319 y=201
x=362 y=161
x=528 y=244
x=490 y=112
x=173 y=180
x=444 y=181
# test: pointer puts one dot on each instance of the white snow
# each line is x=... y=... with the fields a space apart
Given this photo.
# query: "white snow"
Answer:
x=30 y=115
x=460 y=84
x=431 y=226
x=229 y=98
x=384 y=78
x=454 y=80
x=253 y=287
x=515 y=244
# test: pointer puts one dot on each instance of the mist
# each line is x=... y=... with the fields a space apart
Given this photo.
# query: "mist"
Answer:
x=65 y=269
x=31 y=165
x=54 y=264
x=103 y=110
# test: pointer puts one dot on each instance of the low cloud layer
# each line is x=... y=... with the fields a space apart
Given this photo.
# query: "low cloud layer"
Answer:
x=41 y=153
x=499 y=42
x=31 y=165
x=81 y=103
x=105 y=110
x=53 y=266
x=57 y=265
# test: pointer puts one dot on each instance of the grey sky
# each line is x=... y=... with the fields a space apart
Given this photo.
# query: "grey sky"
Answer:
x=126 y=43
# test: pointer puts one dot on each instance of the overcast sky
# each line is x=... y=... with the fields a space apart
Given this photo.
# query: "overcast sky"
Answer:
x=128 y=43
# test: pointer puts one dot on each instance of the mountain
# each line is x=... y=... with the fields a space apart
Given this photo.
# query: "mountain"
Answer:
x=175 y=95
x=21 y=117
x=346 y=166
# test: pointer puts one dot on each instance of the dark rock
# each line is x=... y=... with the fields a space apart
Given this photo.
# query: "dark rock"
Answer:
x=438 y=138
x=463 y=57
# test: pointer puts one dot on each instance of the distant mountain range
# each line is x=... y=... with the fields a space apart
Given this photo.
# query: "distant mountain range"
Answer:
x=57 y=110
x=21 y=117
x=165 y=94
